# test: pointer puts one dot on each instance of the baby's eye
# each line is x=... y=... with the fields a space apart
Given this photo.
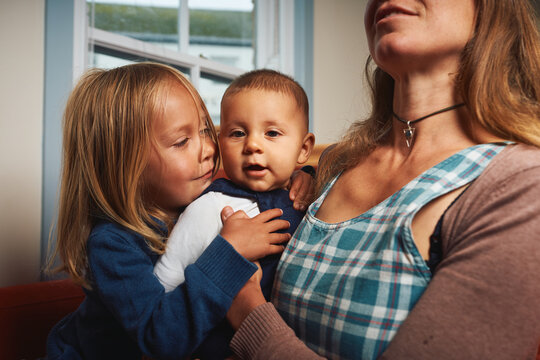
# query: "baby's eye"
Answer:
x=238 y=133
x=272 y=133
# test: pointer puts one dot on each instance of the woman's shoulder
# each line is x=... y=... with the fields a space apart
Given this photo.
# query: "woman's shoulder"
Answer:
x=517 y=167
x=507 y=192
x=514 y=159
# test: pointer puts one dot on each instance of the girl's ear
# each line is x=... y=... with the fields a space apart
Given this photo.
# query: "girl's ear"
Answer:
x=307 y=147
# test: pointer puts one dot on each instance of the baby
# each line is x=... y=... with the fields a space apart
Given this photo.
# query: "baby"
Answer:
x=263 y=138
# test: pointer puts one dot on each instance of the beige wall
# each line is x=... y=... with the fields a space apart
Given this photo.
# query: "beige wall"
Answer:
x=340 y=51
x=21 y=104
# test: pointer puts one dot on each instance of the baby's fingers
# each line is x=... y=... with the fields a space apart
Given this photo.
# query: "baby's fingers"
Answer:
x=226 y=212
x=268 y=215
x=275 y=249
x=300 y=184
x=301 y=190
x=301 y=203
x=276 y=225
x=278 y=238
x=295 y=184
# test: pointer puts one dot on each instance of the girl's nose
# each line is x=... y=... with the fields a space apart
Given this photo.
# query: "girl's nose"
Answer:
x=208 y=147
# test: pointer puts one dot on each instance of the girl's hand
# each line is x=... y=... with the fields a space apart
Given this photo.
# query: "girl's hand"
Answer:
x=301 y=189
x=254 y=238
x=247 y=299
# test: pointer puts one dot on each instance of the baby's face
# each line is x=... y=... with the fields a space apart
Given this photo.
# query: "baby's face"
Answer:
x=262 y=138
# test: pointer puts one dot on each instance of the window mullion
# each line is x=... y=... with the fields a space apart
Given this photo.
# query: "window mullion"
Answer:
x=266 y=18
x=195 y=76
x=274 y=32
x=286 y=37
x=183 y=26
x=80 y=39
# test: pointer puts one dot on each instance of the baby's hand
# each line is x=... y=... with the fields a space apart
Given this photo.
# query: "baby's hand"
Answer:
x=301 y=189
x=255 y=237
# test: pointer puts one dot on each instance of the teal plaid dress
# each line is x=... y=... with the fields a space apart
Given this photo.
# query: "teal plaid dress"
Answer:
x=345 y=288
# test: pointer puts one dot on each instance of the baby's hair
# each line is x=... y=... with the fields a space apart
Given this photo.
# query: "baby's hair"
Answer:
x=270 y=80
x=107 y=139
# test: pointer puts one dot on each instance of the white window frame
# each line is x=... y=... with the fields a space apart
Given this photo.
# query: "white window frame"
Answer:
x=195 y=65
x=274 y=43
x=274 y=29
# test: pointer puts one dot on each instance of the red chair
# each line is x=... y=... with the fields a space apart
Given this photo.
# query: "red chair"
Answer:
x=28 y=312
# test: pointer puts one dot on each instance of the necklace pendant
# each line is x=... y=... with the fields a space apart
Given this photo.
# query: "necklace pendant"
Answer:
x=409 y=134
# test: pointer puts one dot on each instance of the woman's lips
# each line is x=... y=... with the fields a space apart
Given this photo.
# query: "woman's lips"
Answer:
x=391 y=10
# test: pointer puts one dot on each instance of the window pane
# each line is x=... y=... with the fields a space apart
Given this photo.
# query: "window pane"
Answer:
x=211 y=90
x=105 y=61
x=154 y=21
x=222 y=31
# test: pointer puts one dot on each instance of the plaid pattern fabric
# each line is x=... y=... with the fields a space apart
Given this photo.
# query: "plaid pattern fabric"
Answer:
x=345 y=288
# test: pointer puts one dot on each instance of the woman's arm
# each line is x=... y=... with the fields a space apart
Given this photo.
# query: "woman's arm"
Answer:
x=484 y=299
x=263 y=335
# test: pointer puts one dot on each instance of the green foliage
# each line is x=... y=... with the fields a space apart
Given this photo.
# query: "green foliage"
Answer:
x=156 y=20
x=135 y=19
x=227 y=24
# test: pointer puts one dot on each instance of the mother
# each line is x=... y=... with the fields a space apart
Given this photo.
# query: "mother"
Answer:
x=425 y=240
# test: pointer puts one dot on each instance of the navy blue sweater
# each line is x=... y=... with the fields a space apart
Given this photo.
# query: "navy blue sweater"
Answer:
x=127 y=313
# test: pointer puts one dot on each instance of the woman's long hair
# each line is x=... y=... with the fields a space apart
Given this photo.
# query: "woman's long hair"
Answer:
x=107 y=139
x=498 y=79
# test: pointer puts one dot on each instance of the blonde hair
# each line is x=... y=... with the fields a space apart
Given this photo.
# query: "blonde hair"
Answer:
x=107 y=138
x=498 y=79
x=270 y=80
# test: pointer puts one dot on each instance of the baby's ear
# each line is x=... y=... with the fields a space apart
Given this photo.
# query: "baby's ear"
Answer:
x=307 y=148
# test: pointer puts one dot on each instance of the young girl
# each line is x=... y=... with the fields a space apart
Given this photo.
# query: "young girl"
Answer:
x=138 y=147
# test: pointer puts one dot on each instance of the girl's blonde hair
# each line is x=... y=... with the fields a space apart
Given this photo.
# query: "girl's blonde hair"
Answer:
x=107 y=139
x=498 y=79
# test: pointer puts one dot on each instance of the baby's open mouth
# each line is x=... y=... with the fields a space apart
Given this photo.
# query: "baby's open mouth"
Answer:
x=255 y=168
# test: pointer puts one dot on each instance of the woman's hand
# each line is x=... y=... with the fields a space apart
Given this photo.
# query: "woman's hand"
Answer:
x=301 y=189
x=247 y=299
x=254 y=238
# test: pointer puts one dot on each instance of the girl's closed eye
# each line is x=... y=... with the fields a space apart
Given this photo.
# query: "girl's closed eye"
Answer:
x=181 y=143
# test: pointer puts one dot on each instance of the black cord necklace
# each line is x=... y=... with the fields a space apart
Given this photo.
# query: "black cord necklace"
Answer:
x=409 y=131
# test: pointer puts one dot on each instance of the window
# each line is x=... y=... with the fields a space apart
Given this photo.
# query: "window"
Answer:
x=76 y=40
x=212 y=42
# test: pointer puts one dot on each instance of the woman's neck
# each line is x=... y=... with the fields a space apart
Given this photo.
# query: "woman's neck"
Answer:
x=418 y=96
